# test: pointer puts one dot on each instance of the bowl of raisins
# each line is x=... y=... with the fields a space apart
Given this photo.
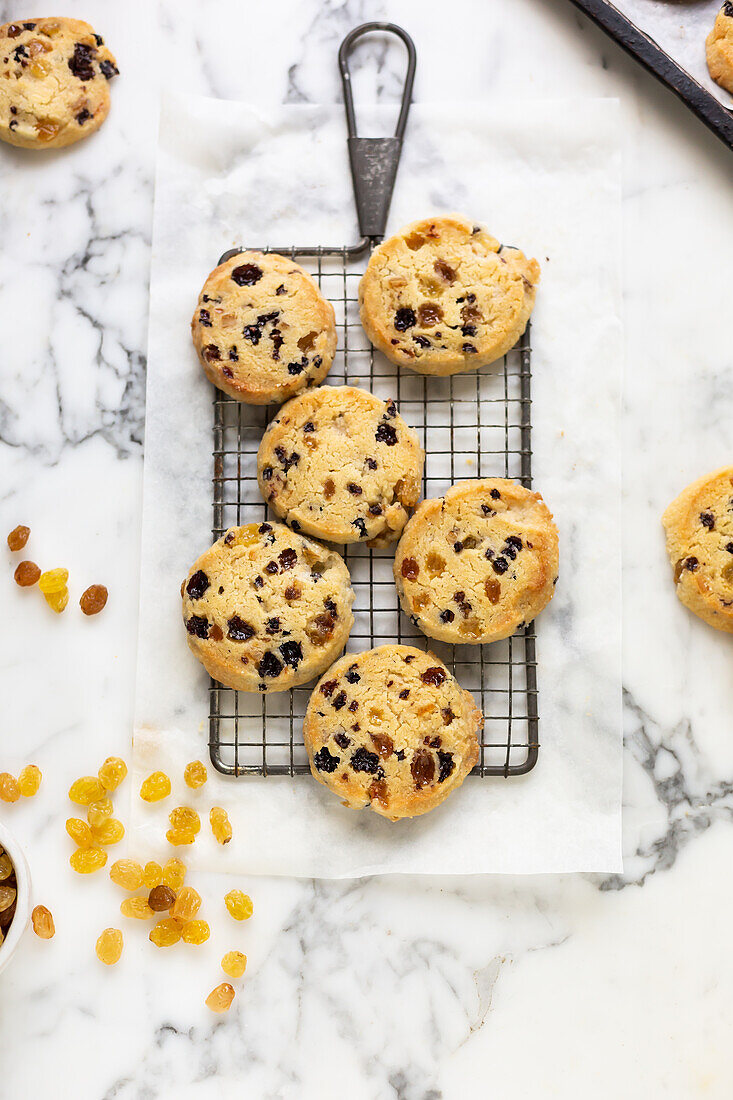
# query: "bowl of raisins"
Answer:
x=15 y=894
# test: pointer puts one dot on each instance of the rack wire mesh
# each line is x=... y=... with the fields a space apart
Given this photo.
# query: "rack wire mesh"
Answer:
x=471 y=425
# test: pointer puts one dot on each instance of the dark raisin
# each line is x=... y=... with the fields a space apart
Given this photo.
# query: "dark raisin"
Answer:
x=354 y=489
x=405 y=693
x=280 y=290
x=468 y=330
x=329 y=605
x=487 y=511
x=20 y=52
x=385 y=433
x=399 y=754
x=216 y=633
x=329 y=687
x=80 y=62
x=404 y=318
x=352 y=676
x=293 y=524
x=375 y=509
x=273 y=625
x=309 y=426
x=457 y=547
x=211 y=353
x=409 y=658
x=495 y=494
x=446 y=765
x=459 y=597
x=197 y=585
x=233 y=354
x=361 y=527
x=227 y=372
x=258 y=582
x=707 y=519
x=339 y=701
x=108 y=70
x=266 y=473
x=515 y=541
x=252 y=333
x=324 y=761
x=292 y=653
x=447 y=715
x=421 y=341
x=229 y=538
x=295 y=368
x=342 y=740
x=264 y=528
x=729 y=547
x=270 y=665
x=500 y=565
x=271 y=568
x=691 y=564
x=371 y=463
x=97 y=37
x=445 y=271
x=353 y=706
x=83 y=115
x=364 y=761
x=409 y=569
x=287 y=559
x=422 y=768
x=435 y=676
x=238 y=630
x=468 y=349
x=247 y=274
x=205 y=318
x=447 y=616
x=198 y=626
x=13 y=30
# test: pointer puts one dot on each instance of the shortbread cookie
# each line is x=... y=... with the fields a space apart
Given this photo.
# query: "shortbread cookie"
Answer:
x=699 y=526
x=54 y=82
x=342 y=465
x=476 y=564
x=391 y=729
x=443 y=296
x=266 y=609
x=719 y=48
x=262 y=329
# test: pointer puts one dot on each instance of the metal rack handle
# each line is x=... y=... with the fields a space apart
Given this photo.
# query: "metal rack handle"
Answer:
x=374 y=161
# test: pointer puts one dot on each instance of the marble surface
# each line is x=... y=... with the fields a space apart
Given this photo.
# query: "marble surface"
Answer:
x=385 y=989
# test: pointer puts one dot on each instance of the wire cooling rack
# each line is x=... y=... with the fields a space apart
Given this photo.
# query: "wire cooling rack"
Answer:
x=471 y=425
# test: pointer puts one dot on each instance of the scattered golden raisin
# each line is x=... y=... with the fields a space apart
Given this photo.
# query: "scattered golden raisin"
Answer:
x=220 y=824
x=220 y=999
x=155 y=787
x=127 y=873
x=234 y=964
x=79 y=832
x=195 y=932
x=152 y=873
x=187 y=904
x=18 y=537
x=57 y=601
x=8 y=897
x=26 y=574
x=42 y=922
x=99 y=811
x=112 y=773
x=86 y=790
x=165 y=933
x=93 y=599
x=87 y=860
x=195 y=774
x=109 y=946
x=184 y=819
x=161 y=898
x=176 y=837
x=136 y=907
x=110 y=831
x=174 y=874
x=9 y=789
x=53 y=580
x=239 y=904
x=29 y=780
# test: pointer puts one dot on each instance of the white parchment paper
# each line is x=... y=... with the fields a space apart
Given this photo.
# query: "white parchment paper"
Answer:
x=545 y=176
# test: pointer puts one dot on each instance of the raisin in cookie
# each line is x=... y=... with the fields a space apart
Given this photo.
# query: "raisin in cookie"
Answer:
x=474 y=565
x=342 y=465
x=266 y=609
x=391 y=729
x=443 y=296
x=54 y=82
x=699 y=526
x=262 y=329
x=719 y=48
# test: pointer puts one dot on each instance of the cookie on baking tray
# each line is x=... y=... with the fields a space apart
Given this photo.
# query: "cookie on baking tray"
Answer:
x=474 y=565
x=391 y=729
x=443 y=296
x=719 y=48
x=699 y=527
x=54 y=82
x=341 y=465
x=266 y=609
x=262 y=329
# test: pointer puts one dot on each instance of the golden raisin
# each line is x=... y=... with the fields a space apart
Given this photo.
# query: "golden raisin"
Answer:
x=8 y=895
x=26 y=573
x=161 y=898
x=152 y=874
x=220 y=824
x=165 y=933
x=99 y=811
x=112 y=772
x=155 y=787
x=93 y=599
x=238 y=904
x=86 y=790
x=109 y=946
x=127 y=873
x=40 y=68
x=195 y=774
x=9 y=789
x=234 y=964
x=87 y=860
x=53 y=580
x=184 y=819
x=220 y=999
x=187 y=904
x=136 y=907
x=195 y=932
x=57 y=601
x=110 y=831
x=6 y=866
x=174 y=874
x=18 y=537
x=79 y=832
x=29 y=780
x=176 y=837
x=46 y=129
x=42 y=922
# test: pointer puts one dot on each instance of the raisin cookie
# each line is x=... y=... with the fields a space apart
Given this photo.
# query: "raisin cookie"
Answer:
x=266 y=609
x=443 y=296
x=719 y=48
x=54 y=82
x=262 y=330
x=699 y=526
x=477 y=563
x=391 y=729
x=342 y=465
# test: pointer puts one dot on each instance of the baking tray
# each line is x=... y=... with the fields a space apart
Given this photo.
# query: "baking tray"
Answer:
x=471 y=425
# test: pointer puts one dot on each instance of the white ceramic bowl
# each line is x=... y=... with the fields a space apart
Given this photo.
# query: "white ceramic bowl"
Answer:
x=19 y=922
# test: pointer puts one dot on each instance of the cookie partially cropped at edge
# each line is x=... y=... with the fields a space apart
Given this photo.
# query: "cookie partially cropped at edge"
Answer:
x=54 y=82
x=474 y=565
x=719 y=48
x=266 y=609
x=262 y=329
x=391 y=729
x=442 y=296
x=341 y=465
x=699 y=527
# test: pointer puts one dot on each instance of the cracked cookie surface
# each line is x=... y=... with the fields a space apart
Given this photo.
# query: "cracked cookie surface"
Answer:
x=443 y=296
x=266 y=609
x=391 y=729
x=699 y=528
x=54 y=82
x=262 y=329
x=341 y=465
x=477 y=563
x=719 y=48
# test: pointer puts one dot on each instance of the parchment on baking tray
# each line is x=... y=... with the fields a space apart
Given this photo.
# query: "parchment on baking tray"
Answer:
x=544 y=176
